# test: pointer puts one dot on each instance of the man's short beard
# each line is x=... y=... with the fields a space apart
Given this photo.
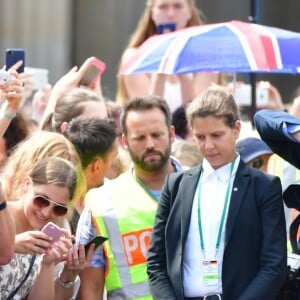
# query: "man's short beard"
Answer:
x=156 y=166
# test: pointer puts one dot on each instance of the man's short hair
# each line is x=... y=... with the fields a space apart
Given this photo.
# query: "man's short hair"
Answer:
x=145 y=103
x=92 y=137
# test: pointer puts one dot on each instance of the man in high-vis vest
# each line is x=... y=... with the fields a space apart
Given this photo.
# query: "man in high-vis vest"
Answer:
x=123 y=209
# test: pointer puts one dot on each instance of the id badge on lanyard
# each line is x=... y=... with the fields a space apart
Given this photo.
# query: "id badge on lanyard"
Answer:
x=210 y=272
x=210 y=267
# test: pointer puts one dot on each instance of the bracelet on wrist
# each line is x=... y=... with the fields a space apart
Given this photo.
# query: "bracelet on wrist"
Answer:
x=68 y=284
x=3 y=205
x=5 y=113
x=8 y=115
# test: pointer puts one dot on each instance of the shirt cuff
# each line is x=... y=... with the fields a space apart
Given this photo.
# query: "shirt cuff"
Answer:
x=290 y=129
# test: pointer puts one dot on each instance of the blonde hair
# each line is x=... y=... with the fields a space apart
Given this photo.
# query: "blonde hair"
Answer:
x=145 y=29
x=69 y=106
x=187 y=153
x=54 y=170
x=28 y=153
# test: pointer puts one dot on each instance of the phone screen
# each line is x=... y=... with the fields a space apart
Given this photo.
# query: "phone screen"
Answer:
x=13 y=56
x=98 y=240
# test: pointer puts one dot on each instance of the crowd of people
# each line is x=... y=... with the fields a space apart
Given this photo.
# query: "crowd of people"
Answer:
x=190 y=204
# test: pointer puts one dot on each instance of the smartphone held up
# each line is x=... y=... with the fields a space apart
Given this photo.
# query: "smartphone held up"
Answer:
x=242 y=95
x=40 y=77
x=165 y=27
x=14 y=55
x=95 y=69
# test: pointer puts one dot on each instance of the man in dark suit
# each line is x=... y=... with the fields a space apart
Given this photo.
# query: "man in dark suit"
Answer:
x=281 y=131
x=220 y=230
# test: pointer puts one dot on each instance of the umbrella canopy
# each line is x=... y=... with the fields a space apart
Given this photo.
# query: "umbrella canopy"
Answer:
x=233 y=46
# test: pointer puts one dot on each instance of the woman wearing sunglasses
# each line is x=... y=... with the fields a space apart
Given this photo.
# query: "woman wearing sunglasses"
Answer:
x=46 y=194
x=19 y=165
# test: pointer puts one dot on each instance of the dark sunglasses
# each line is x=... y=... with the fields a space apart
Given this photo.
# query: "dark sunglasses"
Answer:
x=42 y=202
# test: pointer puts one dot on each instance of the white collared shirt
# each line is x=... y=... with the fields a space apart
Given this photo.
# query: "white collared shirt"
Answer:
x=214 y=184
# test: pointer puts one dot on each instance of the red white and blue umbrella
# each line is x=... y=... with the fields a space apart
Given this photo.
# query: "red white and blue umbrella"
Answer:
x=234 y=46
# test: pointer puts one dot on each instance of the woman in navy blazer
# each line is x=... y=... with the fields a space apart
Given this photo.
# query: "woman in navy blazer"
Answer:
x=254 y=258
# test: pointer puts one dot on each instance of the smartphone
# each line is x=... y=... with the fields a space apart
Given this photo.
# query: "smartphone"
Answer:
x=52 y=230
x=165 y=28
x=242 y=95
x=98 y=240
x=13 y=56
x=39 y=77
x=96 y=68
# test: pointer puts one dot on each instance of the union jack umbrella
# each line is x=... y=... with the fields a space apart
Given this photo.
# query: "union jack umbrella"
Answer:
x=233 y=46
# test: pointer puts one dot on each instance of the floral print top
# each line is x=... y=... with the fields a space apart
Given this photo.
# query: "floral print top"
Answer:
x=14 y=272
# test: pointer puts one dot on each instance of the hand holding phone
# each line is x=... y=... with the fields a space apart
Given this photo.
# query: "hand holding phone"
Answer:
x=95 y=69
x=97 y=241
x=52 y=230
x=13 y=56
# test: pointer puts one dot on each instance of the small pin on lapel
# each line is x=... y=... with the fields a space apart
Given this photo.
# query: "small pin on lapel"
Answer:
x=235 y=189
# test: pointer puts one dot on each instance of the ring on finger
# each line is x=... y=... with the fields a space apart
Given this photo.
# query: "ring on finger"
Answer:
x=76 y=263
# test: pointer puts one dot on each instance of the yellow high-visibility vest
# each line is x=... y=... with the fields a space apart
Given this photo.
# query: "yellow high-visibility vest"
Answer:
x=287 y=173
x=125 y=213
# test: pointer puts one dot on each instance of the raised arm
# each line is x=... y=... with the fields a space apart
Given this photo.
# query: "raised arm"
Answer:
x=12 y=94
x=280 y=131
x=7 y=232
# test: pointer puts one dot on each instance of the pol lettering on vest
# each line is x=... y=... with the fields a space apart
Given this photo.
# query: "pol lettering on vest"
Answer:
x=136 y=245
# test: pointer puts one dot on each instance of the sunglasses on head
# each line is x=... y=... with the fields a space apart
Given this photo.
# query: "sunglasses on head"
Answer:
x=42 y=202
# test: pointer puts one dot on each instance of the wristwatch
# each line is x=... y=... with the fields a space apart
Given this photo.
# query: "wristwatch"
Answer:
x=68 y=284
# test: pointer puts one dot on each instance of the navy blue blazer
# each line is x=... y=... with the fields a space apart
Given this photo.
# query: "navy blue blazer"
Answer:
x=270 y=126
x=255 y=257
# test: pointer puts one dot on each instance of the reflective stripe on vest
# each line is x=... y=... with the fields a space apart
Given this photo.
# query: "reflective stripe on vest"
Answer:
x=126 y=215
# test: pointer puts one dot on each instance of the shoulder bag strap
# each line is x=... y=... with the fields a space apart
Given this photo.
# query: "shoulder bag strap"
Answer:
x=13 y=293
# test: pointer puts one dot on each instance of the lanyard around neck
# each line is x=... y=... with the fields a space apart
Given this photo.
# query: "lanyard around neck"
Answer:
x=223 y=212
x=144 y=186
